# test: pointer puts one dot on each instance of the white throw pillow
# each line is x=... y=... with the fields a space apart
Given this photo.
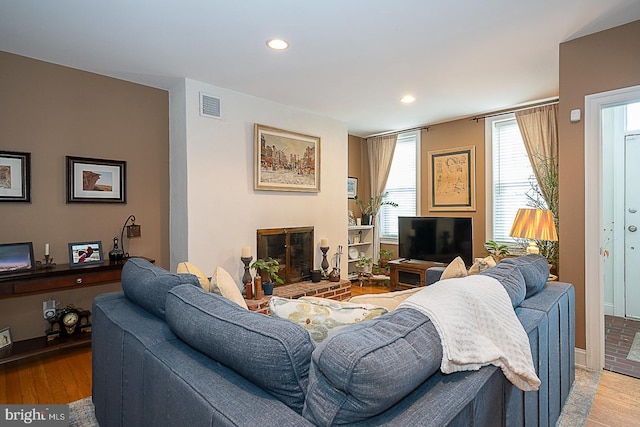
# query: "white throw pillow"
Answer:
x=456 y=268
x=321 y=317
x=223 y=284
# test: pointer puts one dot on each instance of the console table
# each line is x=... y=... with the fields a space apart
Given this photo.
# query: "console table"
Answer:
x=59 y=277
x=406 y=274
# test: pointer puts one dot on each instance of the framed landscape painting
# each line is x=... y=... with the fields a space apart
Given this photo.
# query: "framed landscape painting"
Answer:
x=96 y=180
x=15 y=176
x=286 y=161
x=451 y=175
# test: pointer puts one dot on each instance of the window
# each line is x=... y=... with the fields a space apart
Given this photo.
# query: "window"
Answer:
x=402 y=186
x=511 y=176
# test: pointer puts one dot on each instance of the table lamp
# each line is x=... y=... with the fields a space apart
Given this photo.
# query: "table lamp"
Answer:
x=534 y=224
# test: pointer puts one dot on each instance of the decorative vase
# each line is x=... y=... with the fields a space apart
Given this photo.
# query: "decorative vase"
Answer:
x=268 y=288
x=366 y=219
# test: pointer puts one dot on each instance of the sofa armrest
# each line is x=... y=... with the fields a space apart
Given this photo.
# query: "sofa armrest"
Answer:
x=433 y=275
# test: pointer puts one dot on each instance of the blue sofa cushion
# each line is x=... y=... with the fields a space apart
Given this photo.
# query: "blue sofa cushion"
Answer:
x=366 y=368
x=534 y=269
x=511 y=278
x=273 y=353
x=147 y=285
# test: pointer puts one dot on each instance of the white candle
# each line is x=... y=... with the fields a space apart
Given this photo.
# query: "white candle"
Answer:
x=46 y=249
x=246 y=252
x=324 y=243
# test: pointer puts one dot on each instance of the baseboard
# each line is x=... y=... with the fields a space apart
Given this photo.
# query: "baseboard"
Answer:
x=581 y=358
x=608 y=309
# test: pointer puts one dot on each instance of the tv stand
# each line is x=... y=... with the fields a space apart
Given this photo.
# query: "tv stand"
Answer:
x=407 y=274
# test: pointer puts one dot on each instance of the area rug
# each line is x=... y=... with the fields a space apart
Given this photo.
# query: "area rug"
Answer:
x=81 y=413
x=634 y=353
x=575 y=411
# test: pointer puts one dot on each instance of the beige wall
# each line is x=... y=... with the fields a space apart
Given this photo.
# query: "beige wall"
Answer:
x=357 y=169
x=597 y=63
x=52 y=112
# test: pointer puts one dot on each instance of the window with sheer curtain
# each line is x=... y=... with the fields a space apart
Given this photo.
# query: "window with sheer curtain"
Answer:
x=402 y=186
x=511 y=176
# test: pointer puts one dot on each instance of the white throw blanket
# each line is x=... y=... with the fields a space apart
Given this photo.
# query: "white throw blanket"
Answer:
x=477 y=327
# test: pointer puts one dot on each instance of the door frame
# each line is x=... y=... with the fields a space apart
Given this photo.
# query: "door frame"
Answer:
x=594 y=283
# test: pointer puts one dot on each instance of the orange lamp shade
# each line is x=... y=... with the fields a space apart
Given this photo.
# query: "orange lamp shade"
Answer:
x=534 y=224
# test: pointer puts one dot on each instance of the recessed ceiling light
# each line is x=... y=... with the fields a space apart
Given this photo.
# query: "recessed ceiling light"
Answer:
x=277 y=44
x=407 y=99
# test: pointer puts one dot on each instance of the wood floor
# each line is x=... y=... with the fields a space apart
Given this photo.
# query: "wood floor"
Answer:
x=65 y=376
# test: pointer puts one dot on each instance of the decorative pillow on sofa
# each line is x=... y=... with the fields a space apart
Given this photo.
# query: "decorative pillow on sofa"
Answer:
x=388 y=300
x=369 y=367
x=223 y=284
x=456 y=268
x=481 y=265
x=188 y=268
x=510 y=277
x=272 y=353
x=322 y=317
x=147 y=285
x=534 y=269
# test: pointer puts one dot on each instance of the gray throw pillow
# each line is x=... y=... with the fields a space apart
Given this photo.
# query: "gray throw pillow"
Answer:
x=147 y=285
x=511 y=278
x=534 y=269
x=274 y=354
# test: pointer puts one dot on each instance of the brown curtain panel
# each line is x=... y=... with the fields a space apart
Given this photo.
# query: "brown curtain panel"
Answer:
x=380 y=153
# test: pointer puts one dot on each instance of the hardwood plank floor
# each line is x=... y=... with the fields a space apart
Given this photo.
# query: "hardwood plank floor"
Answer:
x=617 y=401
x=54 y=378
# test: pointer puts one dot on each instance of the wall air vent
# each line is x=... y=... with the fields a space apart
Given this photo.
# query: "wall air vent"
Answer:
x=210 y=106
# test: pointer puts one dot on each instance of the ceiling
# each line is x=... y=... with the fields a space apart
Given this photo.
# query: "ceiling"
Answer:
x=351 y=60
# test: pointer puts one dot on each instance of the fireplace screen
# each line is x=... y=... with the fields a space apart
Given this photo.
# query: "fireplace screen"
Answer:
x=292 y=248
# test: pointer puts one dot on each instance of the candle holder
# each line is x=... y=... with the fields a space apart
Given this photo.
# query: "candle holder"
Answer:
x=325 y=263
x=48 y=263
x=246 y=277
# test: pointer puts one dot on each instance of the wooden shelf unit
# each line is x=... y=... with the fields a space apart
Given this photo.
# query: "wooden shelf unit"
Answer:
x=57 y=278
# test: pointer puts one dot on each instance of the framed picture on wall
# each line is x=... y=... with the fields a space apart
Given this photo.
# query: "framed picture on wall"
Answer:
x=83 y=253
x=15 y=176
x=285 y=161
x=352 y=187
x=452 y=179
x=96 y=180
x=5 y=337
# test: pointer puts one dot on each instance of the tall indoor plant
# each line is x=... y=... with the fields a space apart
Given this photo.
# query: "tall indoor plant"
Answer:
x=371 y=209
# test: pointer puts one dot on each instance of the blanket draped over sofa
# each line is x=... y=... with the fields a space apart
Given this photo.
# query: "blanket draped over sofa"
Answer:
x=477 y=327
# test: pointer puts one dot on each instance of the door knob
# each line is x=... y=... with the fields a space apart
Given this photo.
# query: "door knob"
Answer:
x=632 y=210
x=632 y=228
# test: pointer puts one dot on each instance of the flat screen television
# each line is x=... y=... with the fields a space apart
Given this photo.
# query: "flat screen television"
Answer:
x=435 y=239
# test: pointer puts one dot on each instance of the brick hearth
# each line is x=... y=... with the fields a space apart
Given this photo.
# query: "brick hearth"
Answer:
x=324 y=289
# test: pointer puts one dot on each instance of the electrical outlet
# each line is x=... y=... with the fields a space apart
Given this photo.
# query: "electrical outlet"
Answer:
x=49 y=309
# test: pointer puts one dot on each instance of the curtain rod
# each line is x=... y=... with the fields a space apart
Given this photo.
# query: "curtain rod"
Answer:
x=527 y=107
x=397 y=132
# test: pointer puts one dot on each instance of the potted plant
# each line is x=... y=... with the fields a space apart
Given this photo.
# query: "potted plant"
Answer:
x=370 y=210
x=496 y=250
x=363 y=264
x=268 y=269
x=385 y=257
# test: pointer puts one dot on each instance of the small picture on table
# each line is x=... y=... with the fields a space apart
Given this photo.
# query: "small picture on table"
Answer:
x=83 y=253
x=5 y=338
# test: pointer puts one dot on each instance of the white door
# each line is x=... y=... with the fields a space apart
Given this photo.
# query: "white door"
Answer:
x=632 y=226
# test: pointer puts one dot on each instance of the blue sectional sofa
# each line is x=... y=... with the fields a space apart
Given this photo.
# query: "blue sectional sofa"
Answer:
x=167 y=353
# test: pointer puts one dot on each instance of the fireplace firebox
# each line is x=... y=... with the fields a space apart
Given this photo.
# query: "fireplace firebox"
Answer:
x=292 y=248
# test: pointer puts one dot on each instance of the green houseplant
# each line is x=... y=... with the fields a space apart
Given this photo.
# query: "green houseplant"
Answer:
x=385 y=257
x=371 y=209
x=496 y=250
x=268 y=270
x=363 y=264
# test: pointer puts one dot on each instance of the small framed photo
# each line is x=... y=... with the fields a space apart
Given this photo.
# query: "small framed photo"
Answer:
x=96 y=180
x=5 y=338
x=352 y=187
x=16 y=257
x=285 y=160
x=15 y=176
x=83 y=253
